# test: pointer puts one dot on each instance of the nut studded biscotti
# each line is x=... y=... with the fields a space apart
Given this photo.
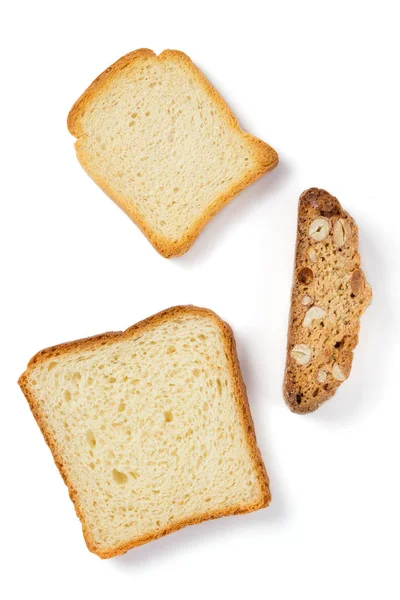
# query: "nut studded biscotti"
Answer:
x=329 y=295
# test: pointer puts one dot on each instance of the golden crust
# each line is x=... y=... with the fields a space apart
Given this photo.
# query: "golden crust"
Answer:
x=240 y=396
x=298 y=383
x=266 y=157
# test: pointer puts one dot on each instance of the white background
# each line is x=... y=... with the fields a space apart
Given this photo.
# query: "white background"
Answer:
x=319 y=82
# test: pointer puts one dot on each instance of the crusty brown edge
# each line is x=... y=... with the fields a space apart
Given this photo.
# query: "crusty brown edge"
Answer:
x=333 y=205
x=266 y=156
x=242 y=405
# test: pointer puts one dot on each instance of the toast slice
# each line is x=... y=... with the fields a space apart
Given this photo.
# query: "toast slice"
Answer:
x=150 y=428
x=329 y=295
x=159 y=140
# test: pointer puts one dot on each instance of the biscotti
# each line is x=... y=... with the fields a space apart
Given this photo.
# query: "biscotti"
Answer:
x=329 y=295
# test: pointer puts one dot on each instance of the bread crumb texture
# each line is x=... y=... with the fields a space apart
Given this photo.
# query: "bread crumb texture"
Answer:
x=159 y=140
x=150 y=428
x=329 y=295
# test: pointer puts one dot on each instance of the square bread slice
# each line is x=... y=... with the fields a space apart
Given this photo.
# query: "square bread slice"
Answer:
x=150 y=428
x=329 y=295
x=160 y=141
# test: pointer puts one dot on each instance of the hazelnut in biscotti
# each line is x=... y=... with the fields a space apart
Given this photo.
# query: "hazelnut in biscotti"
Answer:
x=329 y=295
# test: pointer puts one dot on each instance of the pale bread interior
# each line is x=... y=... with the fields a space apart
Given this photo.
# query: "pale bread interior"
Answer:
x=149 y=430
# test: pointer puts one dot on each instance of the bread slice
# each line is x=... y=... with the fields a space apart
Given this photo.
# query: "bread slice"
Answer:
x=150 y=428
x=159 y=140
x=329 y=295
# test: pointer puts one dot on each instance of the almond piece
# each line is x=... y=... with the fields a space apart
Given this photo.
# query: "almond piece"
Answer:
x=315 y=312
x=337 y=373
x=321 y=376
x=301 y=353
x=307 y=300
x=319 y=229
x=312 y=254
x=341 y=232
